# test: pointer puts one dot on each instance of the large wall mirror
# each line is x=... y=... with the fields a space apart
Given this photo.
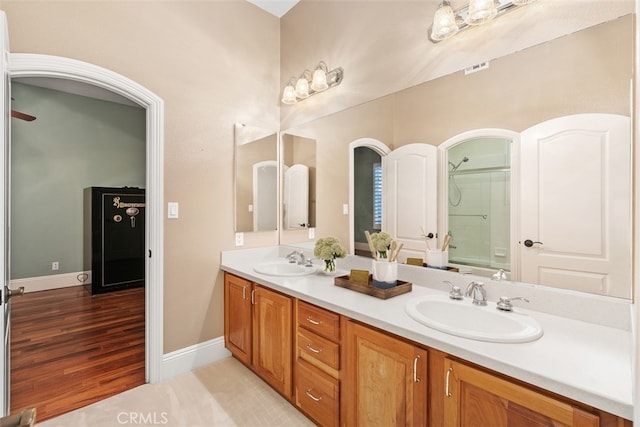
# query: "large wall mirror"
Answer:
x=256 y=179
x=298 y=182
x=589 y=71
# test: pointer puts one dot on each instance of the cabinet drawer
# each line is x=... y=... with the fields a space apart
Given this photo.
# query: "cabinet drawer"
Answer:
x=319 y=320
x=312 y=347
x=317 y=394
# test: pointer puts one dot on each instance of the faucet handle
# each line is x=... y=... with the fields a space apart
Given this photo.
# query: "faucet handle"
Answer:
x=504 y=303
x=455 y=292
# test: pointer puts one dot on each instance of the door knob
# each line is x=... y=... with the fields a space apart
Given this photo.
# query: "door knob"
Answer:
x=10 y=293
x=528 y=243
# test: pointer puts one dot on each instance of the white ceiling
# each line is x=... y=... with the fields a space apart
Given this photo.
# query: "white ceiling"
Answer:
x=275 y=7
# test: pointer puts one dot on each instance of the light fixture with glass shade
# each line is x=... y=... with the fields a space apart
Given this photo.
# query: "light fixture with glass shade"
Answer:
x=309 y=84
x=448 y=22
x=289 y=94
x=444 y=22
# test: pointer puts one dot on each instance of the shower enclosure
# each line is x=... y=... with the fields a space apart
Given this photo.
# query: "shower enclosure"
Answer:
x=479 y=192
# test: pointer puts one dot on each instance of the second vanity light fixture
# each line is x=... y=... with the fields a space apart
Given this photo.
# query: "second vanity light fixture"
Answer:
x=447 y=22
x=309 y=84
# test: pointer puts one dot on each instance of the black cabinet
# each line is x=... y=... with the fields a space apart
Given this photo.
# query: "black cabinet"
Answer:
x=115 y=238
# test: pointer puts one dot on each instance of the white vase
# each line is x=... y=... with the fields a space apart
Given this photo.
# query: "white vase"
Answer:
x=384 y=273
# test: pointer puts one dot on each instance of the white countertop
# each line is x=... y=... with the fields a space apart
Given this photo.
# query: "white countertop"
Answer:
x=588 y=362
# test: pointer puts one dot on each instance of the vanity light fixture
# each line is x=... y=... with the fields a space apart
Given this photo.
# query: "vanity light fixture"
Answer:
x=447 y=22
x=309 y=84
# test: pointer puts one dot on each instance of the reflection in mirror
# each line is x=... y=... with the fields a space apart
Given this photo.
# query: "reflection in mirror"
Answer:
x=479 y=203
x=256 y=179
x=299 y=177
x=367 y=197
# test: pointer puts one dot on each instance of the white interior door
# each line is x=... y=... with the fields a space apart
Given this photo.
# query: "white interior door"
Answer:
x=576 y=204
x=296 y=197
x=410 y=197
x=5 y=102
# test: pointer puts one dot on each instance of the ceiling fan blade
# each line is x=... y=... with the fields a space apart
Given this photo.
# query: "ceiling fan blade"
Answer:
x=22 y=116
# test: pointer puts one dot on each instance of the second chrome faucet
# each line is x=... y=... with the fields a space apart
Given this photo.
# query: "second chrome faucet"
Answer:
x=477 y=291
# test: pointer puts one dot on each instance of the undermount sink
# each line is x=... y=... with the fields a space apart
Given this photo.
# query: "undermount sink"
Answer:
x=284 y=268
x=463 y=319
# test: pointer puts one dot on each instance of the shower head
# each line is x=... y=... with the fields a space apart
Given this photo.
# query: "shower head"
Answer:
x=455 y=167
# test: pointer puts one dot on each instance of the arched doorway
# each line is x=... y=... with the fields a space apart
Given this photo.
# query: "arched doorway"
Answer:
x=53 y=67
x=378 y=148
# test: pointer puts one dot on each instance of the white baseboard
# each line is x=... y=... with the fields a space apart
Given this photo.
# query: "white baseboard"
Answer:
x=189 y=358
x=55 y=281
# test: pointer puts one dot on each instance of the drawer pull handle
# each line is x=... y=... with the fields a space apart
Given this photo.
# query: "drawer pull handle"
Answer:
x=313 y=322
x=314 y=350
x=415 y=369
x=312 y=397
x=447 y=392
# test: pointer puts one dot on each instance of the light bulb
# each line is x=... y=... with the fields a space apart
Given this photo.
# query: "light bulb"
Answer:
x=319 y=82
x=302 y=88
x=481 y=11
x=289 y=95
x=444 y=23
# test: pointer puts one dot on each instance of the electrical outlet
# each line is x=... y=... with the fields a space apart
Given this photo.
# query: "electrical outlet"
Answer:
x=55 y=265
x=239 y=239
x=312 y=233
x=345 y=209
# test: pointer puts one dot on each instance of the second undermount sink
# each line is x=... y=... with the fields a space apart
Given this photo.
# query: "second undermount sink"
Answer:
x=463 y=319
x=284 y=268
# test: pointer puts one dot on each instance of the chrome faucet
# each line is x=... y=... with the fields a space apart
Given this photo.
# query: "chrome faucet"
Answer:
x=296 y=257
x=500 y=275
x=479 y=294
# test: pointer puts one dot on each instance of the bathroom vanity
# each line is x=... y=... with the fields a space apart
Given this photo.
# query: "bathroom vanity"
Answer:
x=345 y=358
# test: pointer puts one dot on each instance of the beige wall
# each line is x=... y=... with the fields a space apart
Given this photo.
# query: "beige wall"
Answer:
x=214 y=63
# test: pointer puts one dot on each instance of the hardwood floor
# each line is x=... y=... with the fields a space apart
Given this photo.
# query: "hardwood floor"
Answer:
x=70 y=349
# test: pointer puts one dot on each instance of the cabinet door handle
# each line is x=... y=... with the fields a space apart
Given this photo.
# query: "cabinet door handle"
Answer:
x=314 y=350
x=244 y=292
x=313 y=322
x=415 y=369
x=312 y=397
x=447 y=392
x=253 y=297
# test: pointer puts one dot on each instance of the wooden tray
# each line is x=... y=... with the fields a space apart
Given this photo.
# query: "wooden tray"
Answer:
x=400 y=288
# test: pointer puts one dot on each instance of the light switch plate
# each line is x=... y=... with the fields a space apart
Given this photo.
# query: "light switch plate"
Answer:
x=173 y=210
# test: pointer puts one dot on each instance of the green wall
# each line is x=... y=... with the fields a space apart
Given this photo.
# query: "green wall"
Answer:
x=363 y=160
x=75 y=142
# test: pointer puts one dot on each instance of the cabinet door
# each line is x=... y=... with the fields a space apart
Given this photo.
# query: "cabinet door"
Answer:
x=237 y=317
x=272 y=338
x=385 y=380
x=477 y=398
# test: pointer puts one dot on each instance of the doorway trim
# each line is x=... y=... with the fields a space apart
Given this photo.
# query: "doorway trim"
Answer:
x=380 y=148
x=47 y=66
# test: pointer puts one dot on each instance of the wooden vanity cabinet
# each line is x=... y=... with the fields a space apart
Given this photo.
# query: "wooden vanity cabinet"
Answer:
x=473 y=396
x=317 y=363
x=385 y=379
x=238 y=317
x=257 y=327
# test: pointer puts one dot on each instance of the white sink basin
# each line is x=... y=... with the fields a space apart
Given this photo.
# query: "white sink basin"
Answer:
x=463 y=319
x=284 y=268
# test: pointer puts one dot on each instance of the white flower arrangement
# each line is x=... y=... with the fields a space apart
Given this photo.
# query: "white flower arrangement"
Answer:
x=328 y=249
x=382 y=243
